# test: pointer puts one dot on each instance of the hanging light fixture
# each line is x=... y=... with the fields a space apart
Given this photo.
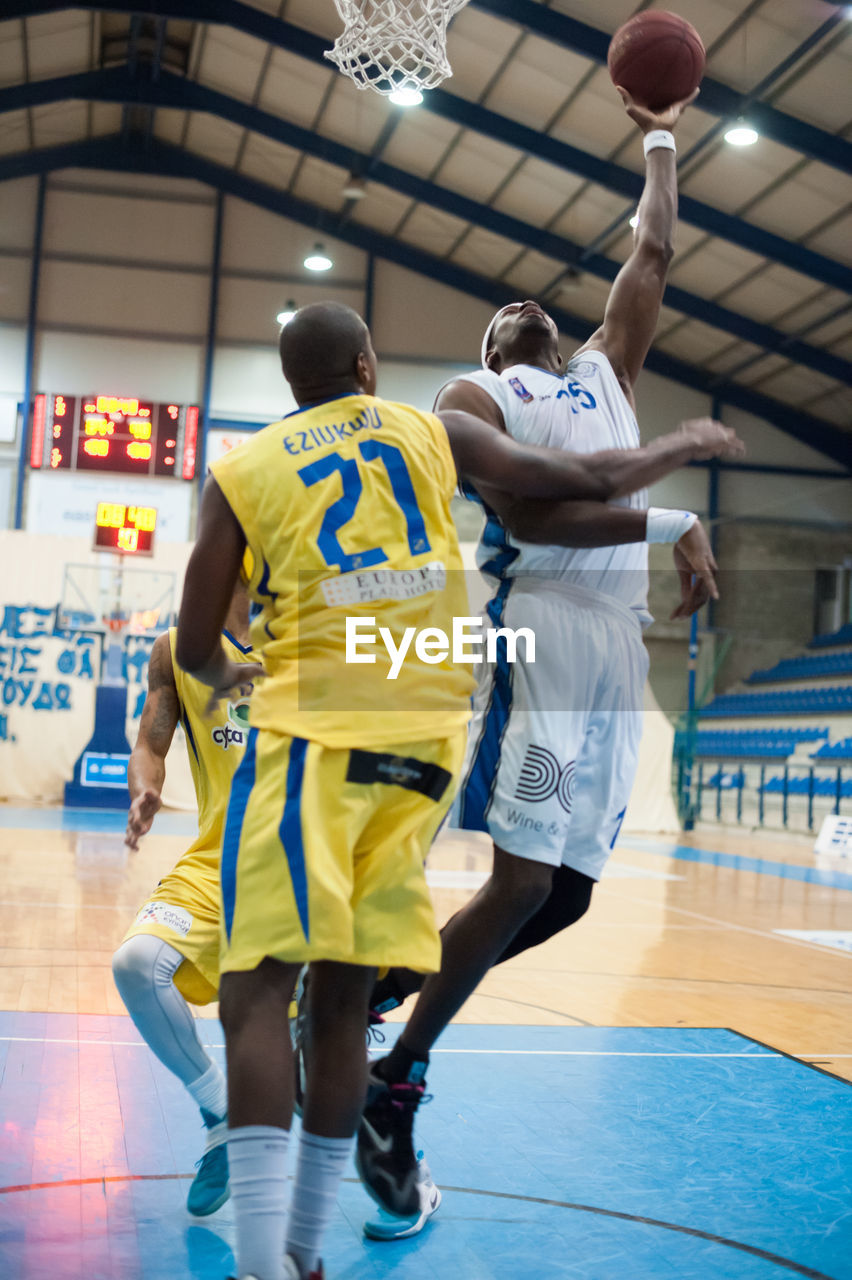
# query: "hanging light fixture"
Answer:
x=285 y=316
x=318 y=259
x=354 y=188
x=407 y=95
x=741 y=134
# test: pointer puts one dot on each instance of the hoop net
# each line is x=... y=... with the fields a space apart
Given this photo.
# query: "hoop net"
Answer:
x=389 y=45
x=116 y=623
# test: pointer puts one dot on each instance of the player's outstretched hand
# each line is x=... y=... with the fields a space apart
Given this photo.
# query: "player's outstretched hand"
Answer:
x=140 y=816
x=648 y=119
x=697 y=569
x=233 y=678
x=712 y=439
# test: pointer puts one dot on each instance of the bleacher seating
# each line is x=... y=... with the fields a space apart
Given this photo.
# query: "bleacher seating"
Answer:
x=843 y=636
x=800 y=786
x=736 y=759
x=727 y=781
x=808 y=667
x=834 y=750
x=757 y=744
x=830 y=701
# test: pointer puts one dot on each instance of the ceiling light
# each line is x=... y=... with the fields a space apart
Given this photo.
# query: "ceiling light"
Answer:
x=355 y=187
x=285 y=316
x=634 y=221
x=407 y=95
x=571 y=281
x=318 y=259
x=741 y=135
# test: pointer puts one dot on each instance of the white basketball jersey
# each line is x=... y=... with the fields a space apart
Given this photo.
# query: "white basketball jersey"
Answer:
x=583 y=410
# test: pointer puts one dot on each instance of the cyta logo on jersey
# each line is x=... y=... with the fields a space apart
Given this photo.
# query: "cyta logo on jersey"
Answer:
x=234 y=732
x=432 y=645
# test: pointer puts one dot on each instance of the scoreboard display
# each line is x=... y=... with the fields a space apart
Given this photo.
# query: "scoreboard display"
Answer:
x=115 y=434
x=126 y=529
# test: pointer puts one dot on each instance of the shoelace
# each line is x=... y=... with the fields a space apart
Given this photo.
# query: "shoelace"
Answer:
x=408 y=1097
x=207 y=1154
x=374 y=1034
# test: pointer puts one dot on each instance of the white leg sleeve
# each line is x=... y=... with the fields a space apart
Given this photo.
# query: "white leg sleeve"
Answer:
x=144 y=968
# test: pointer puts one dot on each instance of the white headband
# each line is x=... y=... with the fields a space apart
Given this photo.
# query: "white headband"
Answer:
x=486 y=339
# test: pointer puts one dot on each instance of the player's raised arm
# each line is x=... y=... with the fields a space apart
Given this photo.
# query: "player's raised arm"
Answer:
x=633 y=307
x=146 y=769
x=209 y=585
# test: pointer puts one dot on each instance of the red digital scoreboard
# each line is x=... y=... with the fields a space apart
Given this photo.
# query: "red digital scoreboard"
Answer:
x=115 y=434
x=126 y=529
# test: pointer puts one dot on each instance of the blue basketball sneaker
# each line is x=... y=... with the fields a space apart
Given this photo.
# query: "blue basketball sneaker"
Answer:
x=210 y=1186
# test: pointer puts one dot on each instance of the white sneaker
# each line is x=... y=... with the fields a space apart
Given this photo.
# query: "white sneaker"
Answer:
x=386 y=1226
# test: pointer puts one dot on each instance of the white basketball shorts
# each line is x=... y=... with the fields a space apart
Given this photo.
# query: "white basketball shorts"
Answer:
x=553 y=745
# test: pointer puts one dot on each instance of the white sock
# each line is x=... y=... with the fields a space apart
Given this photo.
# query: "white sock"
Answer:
x=318 y=1172
x=211 y=1092
x=257 y=1159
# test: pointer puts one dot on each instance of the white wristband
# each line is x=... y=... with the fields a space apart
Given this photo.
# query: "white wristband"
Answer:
x=665 y=525
x=658 y=138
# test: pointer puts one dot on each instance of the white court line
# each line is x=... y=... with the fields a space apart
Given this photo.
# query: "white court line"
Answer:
x=73 y=906
x=769 y=934
x=532 y=1053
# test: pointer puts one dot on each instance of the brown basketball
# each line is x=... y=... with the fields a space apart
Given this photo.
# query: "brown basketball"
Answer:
x=657 y=57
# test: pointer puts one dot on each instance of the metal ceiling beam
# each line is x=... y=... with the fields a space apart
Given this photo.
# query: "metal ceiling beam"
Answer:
x=717 y=98
x=169 y=90
x=163 y=159
x=469 y=115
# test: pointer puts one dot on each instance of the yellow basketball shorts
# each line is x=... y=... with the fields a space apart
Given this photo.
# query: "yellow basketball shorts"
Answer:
x=324 y=850
x=185 y=911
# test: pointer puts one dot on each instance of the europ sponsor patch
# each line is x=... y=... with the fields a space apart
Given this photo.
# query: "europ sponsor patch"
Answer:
x=175 y=918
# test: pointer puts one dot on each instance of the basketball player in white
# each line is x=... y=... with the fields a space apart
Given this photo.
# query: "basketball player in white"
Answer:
x=553 y=745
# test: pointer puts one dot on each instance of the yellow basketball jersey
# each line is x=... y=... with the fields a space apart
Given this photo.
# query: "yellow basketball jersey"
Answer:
x=346 y=509
x=214 y=744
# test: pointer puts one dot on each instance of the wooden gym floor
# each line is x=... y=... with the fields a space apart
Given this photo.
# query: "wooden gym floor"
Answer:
x=644 y=1096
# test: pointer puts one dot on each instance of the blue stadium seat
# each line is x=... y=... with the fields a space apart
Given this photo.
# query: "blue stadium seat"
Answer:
x=758 y=744
x=841 y=750
x=808 y=667
x=843 y=636
x=800 y=786
x=828 y=701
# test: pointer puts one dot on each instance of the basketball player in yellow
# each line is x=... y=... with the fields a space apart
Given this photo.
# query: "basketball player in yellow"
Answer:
x=352 y=755
x=170 y=955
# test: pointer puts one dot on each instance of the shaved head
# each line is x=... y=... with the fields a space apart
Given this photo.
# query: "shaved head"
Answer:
x=324 y=350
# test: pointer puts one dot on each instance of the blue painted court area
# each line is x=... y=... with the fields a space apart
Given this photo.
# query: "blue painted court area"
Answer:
x=169 y=821
x=831 y=878
x=597 y=1153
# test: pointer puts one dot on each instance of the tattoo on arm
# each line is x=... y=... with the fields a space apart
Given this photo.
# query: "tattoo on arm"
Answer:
x=162 y=707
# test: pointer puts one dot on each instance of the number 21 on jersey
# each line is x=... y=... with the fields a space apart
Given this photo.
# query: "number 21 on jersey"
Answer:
x=342 y=510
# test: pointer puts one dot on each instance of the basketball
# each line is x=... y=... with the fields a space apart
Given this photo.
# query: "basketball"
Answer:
x=658 y=57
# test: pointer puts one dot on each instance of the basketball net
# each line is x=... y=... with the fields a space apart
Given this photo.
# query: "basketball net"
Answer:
x=388 y=45
x=116 y=625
